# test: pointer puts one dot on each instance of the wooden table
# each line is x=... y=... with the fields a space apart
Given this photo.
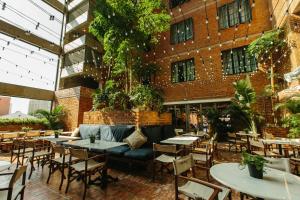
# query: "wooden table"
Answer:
x=276 y=185
x=180 y=140
x=99 y=146
x=4 y=165
x=282 y=141
x=58 y=140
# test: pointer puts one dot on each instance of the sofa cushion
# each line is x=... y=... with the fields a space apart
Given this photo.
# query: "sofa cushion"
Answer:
x=115 y=133
x=153 y=133
x=140 y=154
x=121 y=132
x=136 y=139
x=119 y=151
x=168 y=132
x=86 y=130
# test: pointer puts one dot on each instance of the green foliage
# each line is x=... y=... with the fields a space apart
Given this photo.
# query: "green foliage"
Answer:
x=266 y=45
x=100 y=99
x=127 y=29
x=146 y=97
x=292 y=120
x=241 y=108
x=119 y=101
x=256 y=160
x=53 y=118
x=16 y=121
x=26 y=129
x=144 y=73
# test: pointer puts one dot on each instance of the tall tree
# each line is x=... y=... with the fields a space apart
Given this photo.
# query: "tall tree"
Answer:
x=127 y=29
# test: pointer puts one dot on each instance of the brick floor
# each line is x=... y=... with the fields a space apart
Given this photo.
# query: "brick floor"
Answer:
x=133 y=184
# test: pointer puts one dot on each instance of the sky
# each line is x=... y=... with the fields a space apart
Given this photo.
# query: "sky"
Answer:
x=24 y=64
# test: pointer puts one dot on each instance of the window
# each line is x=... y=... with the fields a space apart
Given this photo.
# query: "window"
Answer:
x=182 y=31
x=174 y=3
x=234 y=13
x=183 y=71
x=237 y=61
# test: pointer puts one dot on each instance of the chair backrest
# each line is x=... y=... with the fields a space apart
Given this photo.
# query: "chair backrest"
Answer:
x=17 y=175
x=231 y=135
x=257 y=144
x=183 y=164
x=164 y=148
x=282 y=164
x=49 y=132
x=11 y=135
x=81 y=154
x=35 y=133
x=58 y=149
x=178 y=131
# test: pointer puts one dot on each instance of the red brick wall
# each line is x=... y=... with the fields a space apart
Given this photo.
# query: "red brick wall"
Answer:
x=209 y=81
x=127 y=117
x=75 y=101
x=276 y=131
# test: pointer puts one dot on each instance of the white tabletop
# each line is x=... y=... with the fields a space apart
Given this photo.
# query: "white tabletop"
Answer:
x=282 y=141
x=98 y=145
x=4 y=165
x=276 y=185
x=59 y=139
x=180 y=140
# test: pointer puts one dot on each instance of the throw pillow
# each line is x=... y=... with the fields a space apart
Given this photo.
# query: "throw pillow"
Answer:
x=136 y=139
x=75 y=133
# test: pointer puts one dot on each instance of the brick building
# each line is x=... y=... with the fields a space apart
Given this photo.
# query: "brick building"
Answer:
x=4 y=105
x=204 y=53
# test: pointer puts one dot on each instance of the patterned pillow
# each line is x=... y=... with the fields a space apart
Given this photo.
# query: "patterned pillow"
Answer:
x=136 y=139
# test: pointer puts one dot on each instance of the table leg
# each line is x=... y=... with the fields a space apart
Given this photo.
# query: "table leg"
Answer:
x=280 y=149
x=248 y=144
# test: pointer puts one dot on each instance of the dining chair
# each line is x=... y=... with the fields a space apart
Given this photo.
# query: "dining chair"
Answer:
x=14 y=189
x=164 y=154
x=205 y=159
x=48 y=133
x=7 y=139
x=235 y=141
x=32 y=134
x=84 y=168
x=19 y=151
x=257 y=147
x=195 y=188
x=40 y=153
x=59 y=163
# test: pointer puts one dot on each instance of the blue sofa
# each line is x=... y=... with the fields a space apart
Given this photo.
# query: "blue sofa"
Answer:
x=118 y=133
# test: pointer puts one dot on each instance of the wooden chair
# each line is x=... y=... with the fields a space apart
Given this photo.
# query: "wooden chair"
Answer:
x=41 y=154
x=32 y=134
x=204 y=159
x=59 y=163
x=259 y=148
x=84 y=169
x=195 y=188
x=164 y=154
x=13 y=190
x=7 y=140
x=19 y=151
x=235 y=141
x=49 y=133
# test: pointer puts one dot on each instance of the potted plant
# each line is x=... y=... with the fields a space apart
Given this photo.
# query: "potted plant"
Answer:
x=57 y=133
x=92 y=138
x=26 y=129
x=255 y=164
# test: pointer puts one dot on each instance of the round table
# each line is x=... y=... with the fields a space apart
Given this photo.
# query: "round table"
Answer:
x=276 y=185
x=4 y=165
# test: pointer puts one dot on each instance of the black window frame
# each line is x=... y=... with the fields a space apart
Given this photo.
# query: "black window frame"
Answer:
x=175 y=3
x=238 y=61
x=233 y=16
x=184 y=66
x=188 y=34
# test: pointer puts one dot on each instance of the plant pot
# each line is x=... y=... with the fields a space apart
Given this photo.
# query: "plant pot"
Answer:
x=254 y=172
x=92 y=140
x=56 y=135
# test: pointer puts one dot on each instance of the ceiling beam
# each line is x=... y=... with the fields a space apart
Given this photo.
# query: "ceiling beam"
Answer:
x=56 y=5
x=30 y=38
x=11 y=90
